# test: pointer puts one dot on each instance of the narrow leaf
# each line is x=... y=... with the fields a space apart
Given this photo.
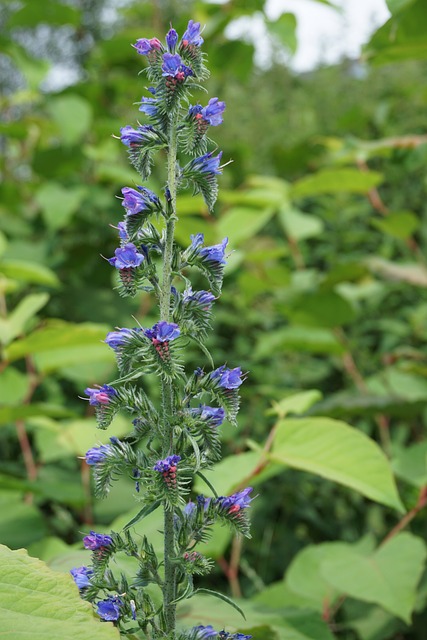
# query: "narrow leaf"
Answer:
x=221 y=596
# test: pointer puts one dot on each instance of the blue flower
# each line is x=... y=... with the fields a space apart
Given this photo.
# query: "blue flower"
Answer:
x=202 y=298
x=144 y=46
x=96 y=541
x=208 y=163
x=97 y=454
x=109 y=609
x=215 y=416
x=173 y=66
x=82 y=576
x=125 y=257
x=117 y=339
x=171 y=40
x=212 y=113
x=132 y=137
x=190 y=508
x=236 y=502
x=167 y=465
x=203 y=633
x=241 y=636
x=102 y=395
x=215 y=253
x=227 y=378
x=148 y=106
x=123 y=234
x=192 y=35
x=139 y=199
x=163 y=331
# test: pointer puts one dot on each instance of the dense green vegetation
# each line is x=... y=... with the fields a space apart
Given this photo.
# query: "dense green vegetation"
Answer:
x=324 y=303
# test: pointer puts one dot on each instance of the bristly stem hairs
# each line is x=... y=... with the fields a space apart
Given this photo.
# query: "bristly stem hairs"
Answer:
x=174 y=439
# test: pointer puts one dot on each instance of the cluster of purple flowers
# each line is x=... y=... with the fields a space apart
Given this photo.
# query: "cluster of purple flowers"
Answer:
x=109 y=609
x=227 y=378
x=207 y=164
x=116 y=339
x=163 y=331
x=100 y=396
x=139 y=199
x=168 y=468
x=191 y=37
x=97 y=454
x=205 y=632
x=132 y=137
x=201 y=298
x=235 y=502
x=95 y=541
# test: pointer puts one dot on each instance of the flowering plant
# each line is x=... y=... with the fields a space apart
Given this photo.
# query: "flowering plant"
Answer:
x=172 y=443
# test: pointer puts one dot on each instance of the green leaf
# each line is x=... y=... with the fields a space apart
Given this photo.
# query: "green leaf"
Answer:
x=21 y=412
x=73 y=117
x=296 y=403
x=58 y=203
x=149 y=508
x=388 y=577
x=57 y=334
x=18 y=318
x=310 y=339
x=21 y=523
x=285 y=29
x=29 y=272
x=242 y=223
x=33 y=13
x=223 y=597
x=299 y=225
x=410 y=464
x=336 y=181
x=395 y=6
x=13 y=386
x=38 y=602
x=322 y=309
x=398 y=225
x=334 y=450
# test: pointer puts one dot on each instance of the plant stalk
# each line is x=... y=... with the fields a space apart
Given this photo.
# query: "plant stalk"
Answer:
x=169 y=609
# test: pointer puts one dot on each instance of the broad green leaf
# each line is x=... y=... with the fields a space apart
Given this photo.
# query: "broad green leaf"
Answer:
x=58 y=359
x=336 y=181
x=278 y=594
x=20 y=523
x=260 y=197
x=13 y=386
x=388 y=577
x=18 y=318
x=3 y=243
x=298 y=624
x=36 y=602
x=322 y=309
x=73 y=116
x=57 y=334
x=399 y=225
x=285 y=29
x=48 y=548
x=58 y=203
x=299 y=225
x=310 y=339
x=241 y=223
x=29 y=272
x=334 y=450
x=24 y=411
x=410 y=464
x=296 y=403
x=395 y=6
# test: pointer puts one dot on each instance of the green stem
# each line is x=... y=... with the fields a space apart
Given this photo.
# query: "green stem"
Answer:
x=169 y=609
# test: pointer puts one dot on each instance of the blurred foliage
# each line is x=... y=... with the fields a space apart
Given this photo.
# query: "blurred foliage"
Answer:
x=325 y=303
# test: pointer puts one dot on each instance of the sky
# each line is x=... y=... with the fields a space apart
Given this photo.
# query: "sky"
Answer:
x=323 y=34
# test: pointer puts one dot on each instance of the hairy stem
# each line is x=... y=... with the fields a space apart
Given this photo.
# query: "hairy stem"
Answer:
x=167 y=391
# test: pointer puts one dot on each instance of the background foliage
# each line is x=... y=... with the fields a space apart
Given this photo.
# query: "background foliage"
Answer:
x=324 y=304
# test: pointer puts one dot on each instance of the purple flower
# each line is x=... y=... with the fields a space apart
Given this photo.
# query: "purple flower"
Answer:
x=82 y=576
x=102 y=395
x=132 y=137
x=97 y=454
x=173 y=66
x=203 y=502
x=171 y=39
x=163 y=331
x=195 y=111
x=241 y=636
x=202 y=298
x=135 y=201
x=192 y=34
x=215 y=253
x=96 y=541
x=168 y=464
x=227 y=378
x=203 y=633
x=148 y=106
x=215 y=416
x=144 y=46
x=212 y=113
x=189 y=508
x=123 y=234
x=109 y=609
x=236 y=502
x=125 y=257
x=208 y=163
x=117 y=339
